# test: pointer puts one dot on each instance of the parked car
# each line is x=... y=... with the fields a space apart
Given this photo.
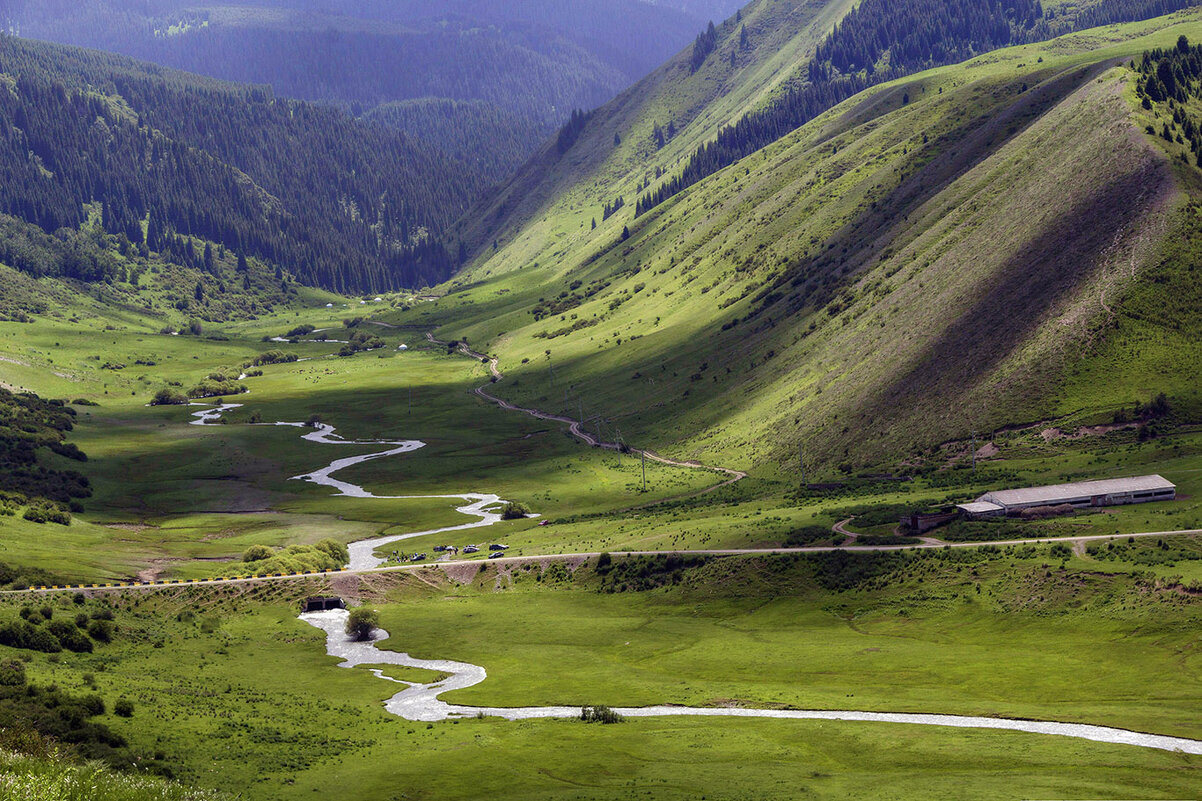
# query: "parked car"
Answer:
x=496 y=555
x=417 y=557
x=498 y=547
x=439 y=548
x=470 y=549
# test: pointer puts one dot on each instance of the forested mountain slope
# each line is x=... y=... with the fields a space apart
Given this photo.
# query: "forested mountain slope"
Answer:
x=529 y=61
x=338 y=203
x=968 y=248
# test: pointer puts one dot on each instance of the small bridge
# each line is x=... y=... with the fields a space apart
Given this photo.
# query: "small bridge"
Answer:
x=320 y=604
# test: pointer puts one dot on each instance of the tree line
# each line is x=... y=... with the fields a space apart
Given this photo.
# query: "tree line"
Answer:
x=880 y=41
x=1167 y=79
x=341 y=204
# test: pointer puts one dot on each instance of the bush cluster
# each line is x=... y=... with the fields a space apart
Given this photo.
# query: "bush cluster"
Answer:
x=600 y=714
x=326 y=554
x=39 y=630
x=42 y=511
x=514 y=511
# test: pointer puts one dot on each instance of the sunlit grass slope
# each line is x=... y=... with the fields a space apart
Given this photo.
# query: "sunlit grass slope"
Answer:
x=957 y=251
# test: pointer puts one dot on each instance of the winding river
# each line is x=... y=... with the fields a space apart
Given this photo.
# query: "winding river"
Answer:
x=482 y=506
x=421 y=702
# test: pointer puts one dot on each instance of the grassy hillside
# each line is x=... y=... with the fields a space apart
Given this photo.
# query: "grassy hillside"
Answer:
x=956 y=251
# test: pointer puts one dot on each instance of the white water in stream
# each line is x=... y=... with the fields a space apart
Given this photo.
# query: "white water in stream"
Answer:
x=481 y=505
x=420 y=702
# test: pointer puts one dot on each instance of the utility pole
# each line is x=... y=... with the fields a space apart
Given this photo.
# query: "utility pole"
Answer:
x=644 y=455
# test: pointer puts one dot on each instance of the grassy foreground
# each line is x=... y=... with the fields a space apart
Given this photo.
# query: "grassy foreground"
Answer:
x=1019 y=632
x=29 y=778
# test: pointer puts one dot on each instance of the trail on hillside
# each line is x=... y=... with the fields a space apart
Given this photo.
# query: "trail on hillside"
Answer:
x=420 y=702
x=576 y=428
x=361 y=552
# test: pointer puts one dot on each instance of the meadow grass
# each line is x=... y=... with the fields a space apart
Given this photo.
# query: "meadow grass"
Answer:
x=1072 y=643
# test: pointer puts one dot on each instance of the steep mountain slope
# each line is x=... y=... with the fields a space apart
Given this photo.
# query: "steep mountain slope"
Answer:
x=535 y=60
x=951 y=252
x=337 y=203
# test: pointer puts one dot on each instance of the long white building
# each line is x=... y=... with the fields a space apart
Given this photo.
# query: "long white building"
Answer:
x=1105 y=492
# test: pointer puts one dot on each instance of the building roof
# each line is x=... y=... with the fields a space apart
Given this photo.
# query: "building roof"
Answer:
x=1060 y=493
x=980 y=507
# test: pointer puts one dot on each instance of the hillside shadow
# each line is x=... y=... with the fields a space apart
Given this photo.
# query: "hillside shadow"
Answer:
x=1022 y=296
x=884 y=224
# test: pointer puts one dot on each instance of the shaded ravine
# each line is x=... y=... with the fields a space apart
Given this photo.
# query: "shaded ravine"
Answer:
x=361 y=552
x=420 y=702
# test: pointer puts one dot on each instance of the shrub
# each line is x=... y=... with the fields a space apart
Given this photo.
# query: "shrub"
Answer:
x=272 y=357
x=212 y=389
x=362 y=622
x=70 y=637
x=169 y=397
x=20 y=634
x=807 y=535
x=92 y=704
x=600 y=714
x=514 y=511
x=12 y=673
x=124 y=708
x=101 y=630
x=46 y=512
x=257 y=553
x=335 y=549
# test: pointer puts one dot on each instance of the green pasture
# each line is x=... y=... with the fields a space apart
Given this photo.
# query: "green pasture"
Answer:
x=1070 y=643
x=180 y=499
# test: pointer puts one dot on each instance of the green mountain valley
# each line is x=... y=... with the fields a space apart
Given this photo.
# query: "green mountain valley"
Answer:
x=729 y=436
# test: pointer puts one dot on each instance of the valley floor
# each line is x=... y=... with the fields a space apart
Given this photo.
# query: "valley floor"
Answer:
x=735 y=597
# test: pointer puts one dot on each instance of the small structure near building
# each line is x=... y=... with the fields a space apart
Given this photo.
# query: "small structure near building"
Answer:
x=978 y=510
x=322 y=604
x=1078 y=495
x=919 y=523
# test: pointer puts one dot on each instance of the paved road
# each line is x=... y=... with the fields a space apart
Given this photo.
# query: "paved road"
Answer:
x=583 y=555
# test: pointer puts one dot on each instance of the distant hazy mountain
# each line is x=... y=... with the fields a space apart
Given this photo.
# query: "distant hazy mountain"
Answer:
x=533 y=60
x=716 y=10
